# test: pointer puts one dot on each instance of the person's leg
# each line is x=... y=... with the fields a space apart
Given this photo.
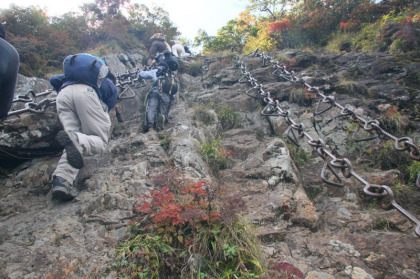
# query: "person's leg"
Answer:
x=151 y=110
x=94 y=119
x=64 y=173
x=70 y=122
x=163 y=110
x=165 y=104
x=86 y=128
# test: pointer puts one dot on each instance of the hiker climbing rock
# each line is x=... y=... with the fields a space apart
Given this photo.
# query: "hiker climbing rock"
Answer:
x=9 y=66
x=159 y=45
x=160 y=96
x=85 y=97
x=178 y=49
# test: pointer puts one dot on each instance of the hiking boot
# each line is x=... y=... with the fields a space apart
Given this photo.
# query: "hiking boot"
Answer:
x=74 y=151
x=63 y=190
x=160 y=121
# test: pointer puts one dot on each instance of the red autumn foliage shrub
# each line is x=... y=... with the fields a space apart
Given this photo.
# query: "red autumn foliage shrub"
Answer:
x=281 y=25
x=292 y=271
x=350 y=26
x=163 y=210
x=369 y=12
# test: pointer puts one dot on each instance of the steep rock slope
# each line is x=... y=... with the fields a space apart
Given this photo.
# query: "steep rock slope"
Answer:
x=330 y=236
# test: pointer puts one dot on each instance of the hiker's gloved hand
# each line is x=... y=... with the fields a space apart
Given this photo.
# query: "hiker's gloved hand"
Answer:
x=160 y=70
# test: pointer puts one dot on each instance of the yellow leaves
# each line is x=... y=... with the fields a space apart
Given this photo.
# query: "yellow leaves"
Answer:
x=245 y=20
x=263 y=41
x=180 y=238
x=171 y=229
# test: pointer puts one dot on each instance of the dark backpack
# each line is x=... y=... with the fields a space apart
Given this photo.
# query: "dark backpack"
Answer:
x=168 y=83
x=171 y=60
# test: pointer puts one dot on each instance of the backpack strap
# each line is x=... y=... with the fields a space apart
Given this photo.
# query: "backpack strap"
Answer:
x=91 y=67
x=72 y=59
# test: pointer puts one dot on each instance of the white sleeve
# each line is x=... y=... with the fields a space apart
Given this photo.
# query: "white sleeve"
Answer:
x=168 y=47
x=174 y=50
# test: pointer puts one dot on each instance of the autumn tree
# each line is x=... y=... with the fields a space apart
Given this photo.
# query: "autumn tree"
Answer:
x=145 y=22
x=69 y=33
x=275 y=8
x=27 y=30
x=25 y=22
x=323 y=17
x=228 y=37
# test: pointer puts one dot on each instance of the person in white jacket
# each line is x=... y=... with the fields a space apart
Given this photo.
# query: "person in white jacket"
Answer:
x=178 y=49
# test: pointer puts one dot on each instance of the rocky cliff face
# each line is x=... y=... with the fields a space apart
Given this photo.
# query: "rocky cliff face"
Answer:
x=325 y=231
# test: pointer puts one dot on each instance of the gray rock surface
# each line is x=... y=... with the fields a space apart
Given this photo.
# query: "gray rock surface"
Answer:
x=324 y=231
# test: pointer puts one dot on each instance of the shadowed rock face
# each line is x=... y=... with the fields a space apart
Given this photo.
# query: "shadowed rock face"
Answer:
x=324 y=231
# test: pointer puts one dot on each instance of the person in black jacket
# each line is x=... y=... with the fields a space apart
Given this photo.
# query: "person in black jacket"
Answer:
x=9 y=67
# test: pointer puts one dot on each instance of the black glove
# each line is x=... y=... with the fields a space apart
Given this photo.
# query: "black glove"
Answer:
x=160 y=70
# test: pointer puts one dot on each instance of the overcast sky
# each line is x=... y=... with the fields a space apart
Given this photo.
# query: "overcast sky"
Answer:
x=188 y=15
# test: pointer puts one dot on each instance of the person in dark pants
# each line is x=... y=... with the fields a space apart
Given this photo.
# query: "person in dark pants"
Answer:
x=9 y=67
x=158 y=103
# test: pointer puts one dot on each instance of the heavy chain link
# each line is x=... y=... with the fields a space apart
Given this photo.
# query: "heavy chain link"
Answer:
x=335 y=165
x=128 y=79
x=30 y=102
x=38 y=108
x=371 y=126
x=124 y=81
x=26 y=98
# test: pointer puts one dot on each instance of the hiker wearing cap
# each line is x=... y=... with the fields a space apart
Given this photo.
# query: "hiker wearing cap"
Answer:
x=9 y=67
x=85 y=95
x=159 y=45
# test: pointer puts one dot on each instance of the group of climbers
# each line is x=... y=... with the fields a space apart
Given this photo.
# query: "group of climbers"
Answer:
x=86 y=92
x=159 y=45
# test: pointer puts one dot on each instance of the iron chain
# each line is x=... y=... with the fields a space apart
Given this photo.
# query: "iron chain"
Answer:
x=295 y=132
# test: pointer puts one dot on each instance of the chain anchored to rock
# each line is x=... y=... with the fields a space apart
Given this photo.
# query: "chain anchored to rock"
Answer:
x=27 y=99
x=126 y=81
x=370 y=126
x=30 y=102
x=333 y=164
x=38 y=108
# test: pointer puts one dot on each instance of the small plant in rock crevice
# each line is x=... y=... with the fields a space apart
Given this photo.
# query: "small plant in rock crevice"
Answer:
x=298 y=155
x=203 y=115
x=301 y=97
x=394 y=121
x=193 y=69
x=183 y=232
x=384 y=155
x=227 y=116
x=165 y=140
x=215 y=155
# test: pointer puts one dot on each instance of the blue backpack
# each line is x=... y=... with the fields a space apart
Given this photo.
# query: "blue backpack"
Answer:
x=83 y=68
